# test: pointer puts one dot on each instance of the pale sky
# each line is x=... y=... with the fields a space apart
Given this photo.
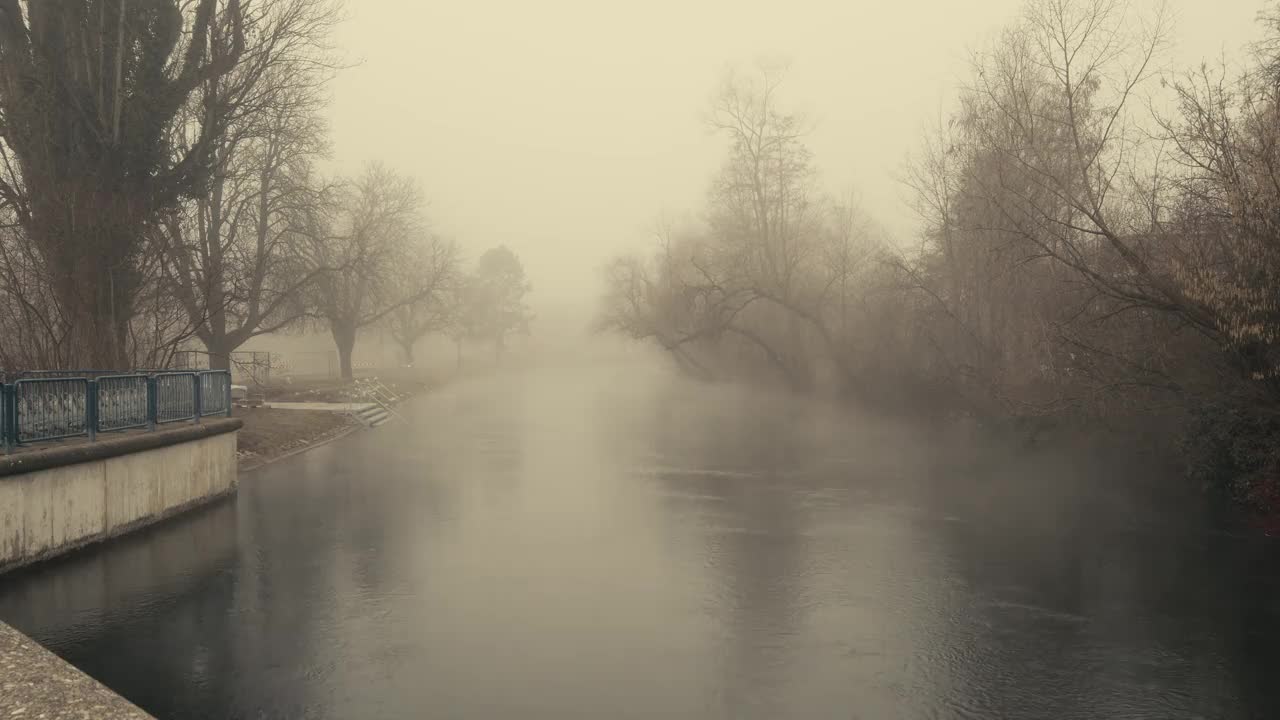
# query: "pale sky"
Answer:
x=565 y=128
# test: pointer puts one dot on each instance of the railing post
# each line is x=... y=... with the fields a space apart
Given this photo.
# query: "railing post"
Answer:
x=199 y=390
x=151 y=403
x=91 y=409
x=15 y=432
x=228 y=393
x=8 y=407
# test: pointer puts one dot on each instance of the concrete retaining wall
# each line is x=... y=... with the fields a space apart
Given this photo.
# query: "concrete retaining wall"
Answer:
x=61 y=498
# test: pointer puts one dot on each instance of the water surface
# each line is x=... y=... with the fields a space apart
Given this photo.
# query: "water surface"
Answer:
x=618 y=544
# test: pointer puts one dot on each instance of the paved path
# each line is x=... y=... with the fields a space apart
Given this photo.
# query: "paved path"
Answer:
x=331 y=407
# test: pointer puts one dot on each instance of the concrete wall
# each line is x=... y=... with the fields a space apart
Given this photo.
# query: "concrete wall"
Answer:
x=58 y=499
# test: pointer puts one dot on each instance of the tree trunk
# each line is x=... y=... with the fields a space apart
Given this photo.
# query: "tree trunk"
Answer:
x=344 y=361
x=88 y=236
x=99 y=305
x=99 y=336
x=344 y=336
x=215 y=294
x=219 y=357
x=408 y=352
x=216 y=341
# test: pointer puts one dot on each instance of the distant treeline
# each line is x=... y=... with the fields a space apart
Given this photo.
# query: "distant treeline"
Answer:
x=1100 y=246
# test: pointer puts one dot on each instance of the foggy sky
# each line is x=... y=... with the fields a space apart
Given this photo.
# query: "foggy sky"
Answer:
x=565 y=128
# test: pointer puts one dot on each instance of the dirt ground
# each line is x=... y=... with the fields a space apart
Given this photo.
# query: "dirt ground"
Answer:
x=268 y=433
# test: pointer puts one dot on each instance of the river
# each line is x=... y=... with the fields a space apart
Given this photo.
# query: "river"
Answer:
x=616 y=543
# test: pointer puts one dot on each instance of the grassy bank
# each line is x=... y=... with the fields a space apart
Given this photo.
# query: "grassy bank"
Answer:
x=269 y=434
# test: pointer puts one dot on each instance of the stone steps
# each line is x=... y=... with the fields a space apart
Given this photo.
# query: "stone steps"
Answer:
x=372 y=415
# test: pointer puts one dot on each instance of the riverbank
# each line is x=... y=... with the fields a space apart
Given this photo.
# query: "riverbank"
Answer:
x=272 y=434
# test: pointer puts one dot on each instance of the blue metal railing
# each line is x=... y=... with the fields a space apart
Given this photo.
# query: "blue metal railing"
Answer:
x=51 y=409
x=177 y=398
x=123 y=402
x=215 y=393
x=56 y=405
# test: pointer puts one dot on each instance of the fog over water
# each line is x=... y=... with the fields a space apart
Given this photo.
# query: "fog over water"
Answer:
x=559 y=543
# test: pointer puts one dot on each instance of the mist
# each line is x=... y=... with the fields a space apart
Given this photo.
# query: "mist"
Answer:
x=692 y=360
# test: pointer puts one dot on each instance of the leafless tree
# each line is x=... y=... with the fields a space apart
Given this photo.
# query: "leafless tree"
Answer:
x=90 y=93
x=356 y=247
x=496 y=299
x=771 y=277
x=430 y=277
x=231 y=255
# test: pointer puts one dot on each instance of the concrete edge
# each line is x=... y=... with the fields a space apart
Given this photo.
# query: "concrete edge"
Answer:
x=36 y=683
x=102 y=449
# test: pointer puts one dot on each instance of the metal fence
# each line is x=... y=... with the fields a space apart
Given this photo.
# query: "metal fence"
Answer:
x=177 y=397
x=215 y=393
x=124 y=402
x=39 y=409
x=247 y=366
x=51 y=409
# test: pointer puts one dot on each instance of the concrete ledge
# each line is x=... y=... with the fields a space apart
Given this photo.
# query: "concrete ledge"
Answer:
x=114 y=446
x=35 y=683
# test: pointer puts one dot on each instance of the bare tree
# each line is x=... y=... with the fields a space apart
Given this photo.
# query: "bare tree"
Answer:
x=430 y=277
x=1053 y=109
x=458 y=300
x=497 y=304
x=762 y=202
x=770 y=278
x=1080 y=261
x=90 y=93
x=356 y=248
x=1222 y=218
x=232 y=254
x=39 y=337
x=1039 y=230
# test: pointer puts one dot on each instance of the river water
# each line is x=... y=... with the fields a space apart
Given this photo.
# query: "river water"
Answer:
x=620 y=544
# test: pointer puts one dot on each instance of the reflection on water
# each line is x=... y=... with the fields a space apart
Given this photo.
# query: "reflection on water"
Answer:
x=623 y=545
